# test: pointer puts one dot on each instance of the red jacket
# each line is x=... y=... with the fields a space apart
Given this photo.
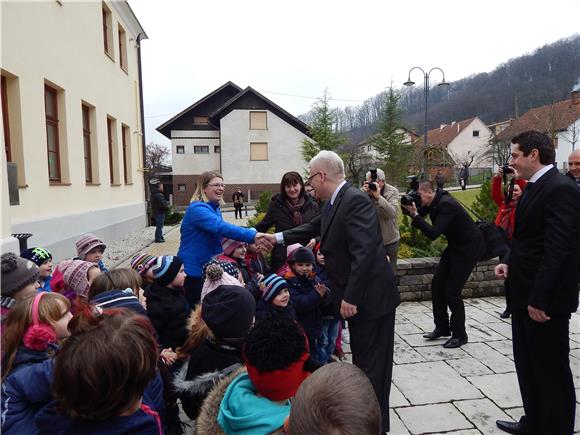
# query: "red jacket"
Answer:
x=505 y=217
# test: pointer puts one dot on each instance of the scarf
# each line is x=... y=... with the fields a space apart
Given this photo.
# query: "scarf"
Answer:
x=504 y=218
x=294 y=207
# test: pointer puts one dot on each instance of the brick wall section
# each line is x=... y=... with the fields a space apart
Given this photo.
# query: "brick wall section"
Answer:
x=414 y=277
x=253 y=191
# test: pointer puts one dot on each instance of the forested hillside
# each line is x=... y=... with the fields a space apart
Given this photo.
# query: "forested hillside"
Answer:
x=542 y=77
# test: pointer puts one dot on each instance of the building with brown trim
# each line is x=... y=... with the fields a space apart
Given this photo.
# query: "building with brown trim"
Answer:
x=238 y=132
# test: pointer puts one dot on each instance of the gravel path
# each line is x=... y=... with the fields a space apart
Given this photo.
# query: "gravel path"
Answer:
x=119 y=251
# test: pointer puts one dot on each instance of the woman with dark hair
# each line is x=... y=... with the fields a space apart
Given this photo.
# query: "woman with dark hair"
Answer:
x=202 y=231
x=290 y=208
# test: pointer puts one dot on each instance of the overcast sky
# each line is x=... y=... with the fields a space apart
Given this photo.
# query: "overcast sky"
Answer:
x=355 y=49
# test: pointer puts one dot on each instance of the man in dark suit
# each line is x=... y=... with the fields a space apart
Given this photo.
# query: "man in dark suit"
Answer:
x=464 y=246
x=542 y=269
x=362 y=280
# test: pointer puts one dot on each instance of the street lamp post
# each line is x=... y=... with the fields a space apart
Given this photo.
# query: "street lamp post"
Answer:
x=426 y=76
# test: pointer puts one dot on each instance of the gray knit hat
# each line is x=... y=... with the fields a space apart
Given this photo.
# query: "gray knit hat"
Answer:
x=17 y=273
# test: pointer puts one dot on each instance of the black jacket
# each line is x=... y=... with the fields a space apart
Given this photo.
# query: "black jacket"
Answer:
x=265 y=310
x=158 y=202
x=449 y=218
x=207 y=364
x=279 y=216
x=543 y=262
x=350 y=237
x=168 y=311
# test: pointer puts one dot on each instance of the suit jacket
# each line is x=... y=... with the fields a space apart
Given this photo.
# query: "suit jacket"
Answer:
x=464 y=239
x=355 y=257
x=543 y=262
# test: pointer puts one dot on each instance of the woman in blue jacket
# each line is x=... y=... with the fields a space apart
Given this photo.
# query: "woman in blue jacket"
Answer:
x=202 y=231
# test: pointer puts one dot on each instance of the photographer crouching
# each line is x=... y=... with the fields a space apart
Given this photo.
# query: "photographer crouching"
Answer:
x=464 y=246
x=386 y=201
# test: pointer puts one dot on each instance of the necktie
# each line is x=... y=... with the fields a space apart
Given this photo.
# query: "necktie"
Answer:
x=327 y=208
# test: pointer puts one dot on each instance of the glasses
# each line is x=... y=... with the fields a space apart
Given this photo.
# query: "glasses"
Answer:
x=217 y=185
x=309 y=179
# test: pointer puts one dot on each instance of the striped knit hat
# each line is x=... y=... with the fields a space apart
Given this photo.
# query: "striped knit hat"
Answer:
x=166 y=269
x=142 y=263
x=229 y=246
x=271 y=286
x=75 y=275
x=86 y=243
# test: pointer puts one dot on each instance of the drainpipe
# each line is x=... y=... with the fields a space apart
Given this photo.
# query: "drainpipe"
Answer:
x=143 y=142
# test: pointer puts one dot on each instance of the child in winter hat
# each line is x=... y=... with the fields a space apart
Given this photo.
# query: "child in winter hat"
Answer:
x=275 y=300
x=143 y=263
x=19 y=281
x=275 y=353
x=43 y=259
x=77 y=276
x=90 y=248
x=216 y=273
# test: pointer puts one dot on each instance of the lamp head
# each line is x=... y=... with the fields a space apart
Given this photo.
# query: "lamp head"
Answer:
x=409 y=82
x=443 y=83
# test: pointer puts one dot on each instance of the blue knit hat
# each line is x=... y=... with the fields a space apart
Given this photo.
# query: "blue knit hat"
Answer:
x=166 y=269
x=271 y=286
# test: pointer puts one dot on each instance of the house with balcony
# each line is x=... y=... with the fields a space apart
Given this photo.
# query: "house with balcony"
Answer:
x=239 y=133
x=72 y=123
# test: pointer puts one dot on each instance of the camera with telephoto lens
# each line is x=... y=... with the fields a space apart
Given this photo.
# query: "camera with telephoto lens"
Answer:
x=507 y=169
x=373 y=183
x=412 y=195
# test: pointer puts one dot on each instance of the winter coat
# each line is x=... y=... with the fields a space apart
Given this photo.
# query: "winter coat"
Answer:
x=265 y=310
x=506 y=213
x=329 y=308
x=159 y=204
x=307 y=303
x=27 y=406
x=208 y=363
x=202 y=230
x=279 y=216
x=168 y=310
x=207 y=422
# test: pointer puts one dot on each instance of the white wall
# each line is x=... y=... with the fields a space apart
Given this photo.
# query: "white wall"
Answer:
x=189 y=162
x=63 y=44
x=466 y=144
x=284 y=145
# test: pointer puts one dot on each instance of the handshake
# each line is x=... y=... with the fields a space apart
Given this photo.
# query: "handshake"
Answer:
x=265 y=242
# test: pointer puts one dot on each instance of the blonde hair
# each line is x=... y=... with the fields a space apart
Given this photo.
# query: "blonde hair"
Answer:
x=116 y=279
x=202 y=182
x=20 y=319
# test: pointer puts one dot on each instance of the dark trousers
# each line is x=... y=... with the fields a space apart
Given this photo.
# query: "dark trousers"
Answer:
x=372 y=346
x=448 y=281
x=541 y=355
x=192 y=287
x=392 y=250
x=238 y=210
x=159 y=219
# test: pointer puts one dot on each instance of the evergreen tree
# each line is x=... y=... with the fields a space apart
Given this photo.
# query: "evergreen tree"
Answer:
x=483 y=204
x=321 y=128
x=394 y=153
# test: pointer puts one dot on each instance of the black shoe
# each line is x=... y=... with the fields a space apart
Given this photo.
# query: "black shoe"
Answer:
x=506 y=314
x=159 y=241
x=510 y=426
x=454 y=342
x=437 y=333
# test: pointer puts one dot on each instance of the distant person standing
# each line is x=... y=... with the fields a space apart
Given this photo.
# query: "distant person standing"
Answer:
x=238 y=200
x=574 y=166
x=439 y=179
x=464 y=176
x=159 y=207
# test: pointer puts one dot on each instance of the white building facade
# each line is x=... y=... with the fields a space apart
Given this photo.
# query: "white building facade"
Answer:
x=72 y=123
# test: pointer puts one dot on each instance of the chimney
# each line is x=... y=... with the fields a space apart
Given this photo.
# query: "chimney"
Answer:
x=574 y=95
x=442 y=126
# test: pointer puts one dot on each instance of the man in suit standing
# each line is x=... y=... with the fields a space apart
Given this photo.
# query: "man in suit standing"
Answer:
x=362 y=280
x=542 y=269
x=464 y=246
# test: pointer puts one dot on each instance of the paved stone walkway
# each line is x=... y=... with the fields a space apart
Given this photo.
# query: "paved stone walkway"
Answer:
x=438 y=390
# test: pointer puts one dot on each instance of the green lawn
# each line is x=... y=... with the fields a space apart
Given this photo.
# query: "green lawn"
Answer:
x=465 y=196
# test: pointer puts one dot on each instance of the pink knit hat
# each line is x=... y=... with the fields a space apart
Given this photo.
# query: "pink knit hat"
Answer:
x=75 y=275
x=229 y=246
x=214 y=277
x=290 y=250
x=87 y=242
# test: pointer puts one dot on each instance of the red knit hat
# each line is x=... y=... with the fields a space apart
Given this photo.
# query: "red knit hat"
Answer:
x=229 y=246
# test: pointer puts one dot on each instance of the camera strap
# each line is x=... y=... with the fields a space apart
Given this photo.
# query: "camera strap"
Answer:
x=510 y=192
x=470 y=210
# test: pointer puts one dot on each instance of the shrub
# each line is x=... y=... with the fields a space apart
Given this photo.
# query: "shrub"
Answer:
x=416 y=244
x=263 y=202
x=256 y=219
x=173 y=217
x=405 y=251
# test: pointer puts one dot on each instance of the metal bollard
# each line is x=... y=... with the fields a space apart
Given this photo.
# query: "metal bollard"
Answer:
x=22 y=240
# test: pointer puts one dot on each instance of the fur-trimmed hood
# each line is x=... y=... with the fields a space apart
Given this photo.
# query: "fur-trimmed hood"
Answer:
x=203 y=383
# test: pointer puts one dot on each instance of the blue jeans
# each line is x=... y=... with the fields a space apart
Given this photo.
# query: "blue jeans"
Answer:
x=159 y=221
x=327 y=340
